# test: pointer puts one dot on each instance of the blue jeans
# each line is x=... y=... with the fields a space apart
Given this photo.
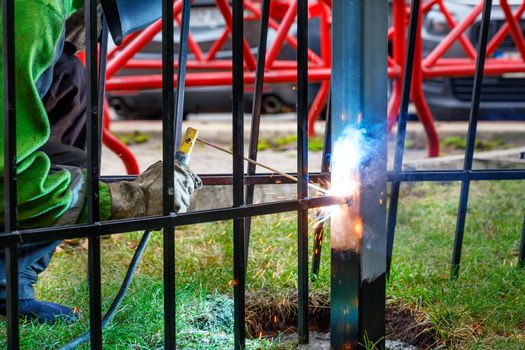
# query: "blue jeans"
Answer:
x=33 y=259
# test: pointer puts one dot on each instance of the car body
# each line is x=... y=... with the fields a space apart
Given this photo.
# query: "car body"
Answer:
x=206 y=25
x=502 y=97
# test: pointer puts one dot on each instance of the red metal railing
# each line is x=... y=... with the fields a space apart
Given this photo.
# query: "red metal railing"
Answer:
x=435 y=64
x=205 y=69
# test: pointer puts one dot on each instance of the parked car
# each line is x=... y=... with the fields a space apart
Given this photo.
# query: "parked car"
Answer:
x=502 y=97
x=207 y=24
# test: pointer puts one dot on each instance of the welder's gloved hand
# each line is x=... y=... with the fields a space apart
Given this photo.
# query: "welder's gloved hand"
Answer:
x=143 y=196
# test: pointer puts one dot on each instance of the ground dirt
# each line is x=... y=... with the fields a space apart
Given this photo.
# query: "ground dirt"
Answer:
x=280 y=316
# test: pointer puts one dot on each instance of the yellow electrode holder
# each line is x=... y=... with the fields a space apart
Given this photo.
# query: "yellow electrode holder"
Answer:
x=188 y=141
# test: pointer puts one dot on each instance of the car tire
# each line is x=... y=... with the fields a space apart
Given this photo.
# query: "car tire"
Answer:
x=120 y=107
x=272 y=104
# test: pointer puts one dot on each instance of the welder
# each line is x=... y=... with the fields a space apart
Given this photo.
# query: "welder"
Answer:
x=50 y=118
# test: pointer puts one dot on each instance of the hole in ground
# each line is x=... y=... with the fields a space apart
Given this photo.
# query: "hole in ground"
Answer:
x=268 y=316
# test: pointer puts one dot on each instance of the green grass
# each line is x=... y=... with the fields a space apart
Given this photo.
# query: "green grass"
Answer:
x=460 y=143
x=283 y=143
x=204 y=280
x=481 y=310
x=135 y=137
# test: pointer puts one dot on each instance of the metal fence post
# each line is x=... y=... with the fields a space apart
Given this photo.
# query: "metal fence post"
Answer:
x=401 y=129
x=10 y=195
x=93 y=174
x=168 y=181
x=239 y=268
x=302 y=166
x=256 y=117
x=358 y=239
x=521 y=259
x=471 y=139
x=325 y=168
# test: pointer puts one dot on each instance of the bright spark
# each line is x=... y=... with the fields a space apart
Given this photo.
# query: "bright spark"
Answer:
x=349 y=151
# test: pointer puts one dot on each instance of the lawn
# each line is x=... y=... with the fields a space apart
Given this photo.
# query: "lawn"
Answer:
x=483 y=309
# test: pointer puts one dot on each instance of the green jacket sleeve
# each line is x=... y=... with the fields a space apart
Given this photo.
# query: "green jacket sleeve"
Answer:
x=43 y=195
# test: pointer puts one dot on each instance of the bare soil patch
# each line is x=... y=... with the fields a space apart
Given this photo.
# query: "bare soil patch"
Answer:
x=268 y=315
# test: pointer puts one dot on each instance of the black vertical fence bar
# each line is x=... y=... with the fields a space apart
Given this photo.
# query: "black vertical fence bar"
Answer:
x=239 y=274
x=10 y=195
x=93 y=174
x=181 y=73
x=521 y=259
x=168 y=180
x=102 y=82
x=302 y=166
x=401 y=129
x=174 y=138
x=325 y=168
x=11 y=266
x=327 y=141
x=471 y=137
x=256 y=116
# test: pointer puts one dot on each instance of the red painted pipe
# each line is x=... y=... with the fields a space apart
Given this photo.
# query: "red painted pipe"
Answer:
x=117 y=147
x=207 y=70
x=312 y=56
x=502 y=33
x=467 y=70
x=125 y=41
x=217 y=45
x=283 y=30
x=224 y=7
x=192 y=44
x=154 y=81
x=205 y=66
x=137 y=44
x=323 y=94
x=464 y=41
x=399 y=48
x=424 y=114
x=514 y=27
x=454 y=34
x=317 y=106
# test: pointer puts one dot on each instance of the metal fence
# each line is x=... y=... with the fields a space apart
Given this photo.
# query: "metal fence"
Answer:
x=368 y=18
x=468 y=174
x=12 y=238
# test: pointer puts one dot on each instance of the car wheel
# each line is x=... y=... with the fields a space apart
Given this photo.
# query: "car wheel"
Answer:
x=272 y=104
x=120 y=107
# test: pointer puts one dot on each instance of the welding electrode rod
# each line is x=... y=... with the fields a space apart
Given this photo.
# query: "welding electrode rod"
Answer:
x=293 y=178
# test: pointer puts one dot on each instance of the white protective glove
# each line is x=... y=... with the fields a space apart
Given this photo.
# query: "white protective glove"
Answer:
x=143 y=196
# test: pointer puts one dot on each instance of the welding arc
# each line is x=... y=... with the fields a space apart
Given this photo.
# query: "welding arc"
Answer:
x=288 y=176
